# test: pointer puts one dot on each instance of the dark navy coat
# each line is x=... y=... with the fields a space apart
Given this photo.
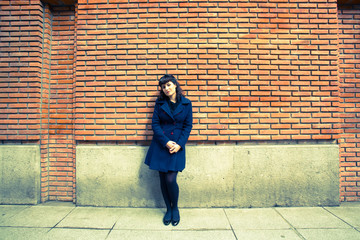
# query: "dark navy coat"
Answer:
x=168 y=126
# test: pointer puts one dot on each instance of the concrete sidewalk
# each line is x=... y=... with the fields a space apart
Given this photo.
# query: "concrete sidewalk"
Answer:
x=63 y=221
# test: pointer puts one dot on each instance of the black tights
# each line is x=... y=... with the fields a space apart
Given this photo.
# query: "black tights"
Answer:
x=169 y=189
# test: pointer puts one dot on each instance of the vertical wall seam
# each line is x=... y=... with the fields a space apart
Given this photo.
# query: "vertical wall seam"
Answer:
x=48 y=95
x=74 y=104
x=41 y=94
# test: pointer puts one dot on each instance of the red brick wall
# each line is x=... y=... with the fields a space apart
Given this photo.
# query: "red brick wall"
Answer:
x=254 y=70
x=61 y=142
x=45 y=100
x=349 y=62
x=20 y=67
x=37 y=57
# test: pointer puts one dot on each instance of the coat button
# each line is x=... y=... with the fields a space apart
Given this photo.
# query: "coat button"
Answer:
x=172 y=133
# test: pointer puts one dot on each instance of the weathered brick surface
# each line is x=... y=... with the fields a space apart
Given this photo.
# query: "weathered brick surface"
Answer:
x=61 y=125
x=37 y=56
x=45 y=101
x=349 y=62
x=254 y=70
x=20 y=66
x=269 y=71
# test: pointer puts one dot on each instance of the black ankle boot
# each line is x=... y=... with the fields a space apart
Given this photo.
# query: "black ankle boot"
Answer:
x=167 y=218
x=175 y=216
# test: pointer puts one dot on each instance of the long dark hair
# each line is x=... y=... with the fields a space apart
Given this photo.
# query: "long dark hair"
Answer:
x=169 y=78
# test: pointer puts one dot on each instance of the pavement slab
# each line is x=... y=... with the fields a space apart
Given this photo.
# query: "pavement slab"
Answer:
x=330 y=234
x=350 y=215
x=191 y=219
x=172 y=234
x=52 y=221
x=7 y=211
x=90 y=217
x=311 y=217
x=256 y=218
x=204 y=235
x=76 y=234
x=140 y=219
x=139 y=234
x=267 y=234
x=200 y=219
x=38 y=216
x=15 y=233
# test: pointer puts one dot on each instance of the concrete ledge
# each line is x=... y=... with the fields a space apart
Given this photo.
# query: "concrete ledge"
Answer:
x=290 y=175
x=215 y=176
x=19 y=174
x=114 y=176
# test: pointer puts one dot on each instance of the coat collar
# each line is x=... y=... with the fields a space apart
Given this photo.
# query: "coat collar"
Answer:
x=183 y=100
x=165 y=106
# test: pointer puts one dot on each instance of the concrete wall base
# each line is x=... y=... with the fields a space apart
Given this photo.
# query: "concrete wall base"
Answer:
x=215 y=176
x=19 y=174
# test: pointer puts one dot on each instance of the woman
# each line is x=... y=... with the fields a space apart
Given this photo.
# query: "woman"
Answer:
x=171 y=124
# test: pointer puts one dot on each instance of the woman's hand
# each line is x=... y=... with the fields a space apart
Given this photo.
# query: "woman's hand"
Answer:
x=170 y=144
x=173 y=147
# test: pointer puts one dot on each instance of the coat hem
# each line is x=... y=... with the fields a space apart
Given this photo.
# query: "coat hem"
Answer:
x=164 y=170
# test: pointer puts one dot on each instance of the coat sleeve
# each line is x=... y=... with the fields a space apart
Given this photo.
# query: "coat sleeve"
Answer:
x=156 y=127
x=187 y=126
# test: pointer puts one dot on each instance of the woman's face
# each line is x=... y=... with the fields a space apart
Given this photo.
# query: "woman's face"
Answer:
x=169 y=89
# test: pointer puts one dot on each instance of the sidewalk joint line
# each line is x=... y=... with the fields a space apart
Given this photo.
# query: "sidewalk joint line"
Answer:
x=111 y=229
x=341 y=219
x=62 y=219
x=232 y=229
x=291 y=226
